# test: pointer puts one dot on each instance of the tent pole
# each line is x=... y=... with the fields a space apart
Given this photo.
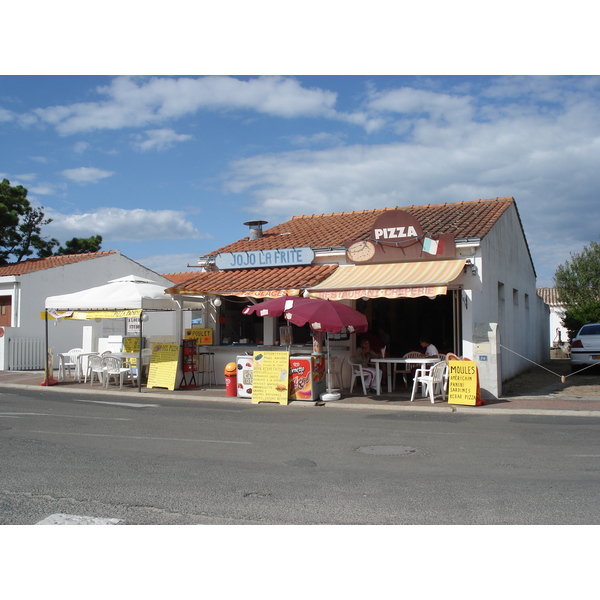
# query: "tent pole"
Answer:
x=140 y=364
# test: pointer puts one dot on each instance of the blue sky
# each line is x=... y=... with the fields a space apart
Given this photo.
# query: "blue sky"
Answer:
x=167 y=168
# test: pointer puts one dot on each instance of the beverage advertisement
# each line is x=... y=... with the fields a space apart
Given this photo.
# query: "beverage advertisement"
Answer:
x=307 y=377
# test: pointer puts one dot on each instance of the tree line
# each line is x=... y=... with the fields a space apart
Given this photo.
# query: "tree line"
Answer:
x=21 y=230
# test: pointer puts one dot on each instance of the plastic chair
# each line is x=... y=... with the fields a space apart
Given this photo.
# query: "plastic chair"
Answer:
x=113 y=367
x=404 y=369
x=96 y=367
x=357 y=371
x=433 y=379
x=68 y=361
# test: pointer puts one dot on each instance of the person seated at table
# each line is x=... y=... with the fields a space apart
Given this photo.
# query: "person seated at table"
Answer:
x=430 y=349
x=363 y=356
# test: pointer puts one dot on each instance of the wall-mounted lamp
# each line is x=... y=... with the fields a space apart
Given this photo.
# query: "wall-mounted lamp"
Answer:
x=305 y=294
x=217 y=302
x=473 y=267
x=365 y=298
x=145 y=317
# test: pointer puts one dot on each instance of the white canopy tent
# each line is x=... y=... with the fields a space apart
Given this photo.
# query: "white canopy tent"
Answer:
x=129 y=292
x=124 y=297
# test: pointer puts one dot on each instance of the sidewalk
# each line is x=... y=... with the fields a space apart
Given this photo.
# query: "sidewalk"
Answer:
x=535 y=392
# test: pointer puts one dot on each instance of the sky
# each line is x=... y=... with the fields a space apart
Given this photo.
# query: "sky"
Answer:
x=169 y=167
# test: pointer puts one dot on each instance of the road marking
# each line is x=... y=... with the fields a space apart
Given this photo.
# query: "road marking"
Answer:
x=138 y=437
x=64 y=519
x=131 y=404
x=26 y=414
x=586 y=455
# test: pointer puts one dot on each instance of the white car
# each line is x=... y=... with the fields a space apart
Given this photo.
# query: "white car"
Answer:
x=585 y=347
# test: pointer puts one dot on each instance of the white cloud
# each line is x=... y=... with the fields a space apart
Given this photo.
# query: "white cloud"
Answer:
x=416 y=102
x=86 y=174
x=138 y=102
x=80 y=147
x=6 y=115
x=118 y=224
x=160 y=139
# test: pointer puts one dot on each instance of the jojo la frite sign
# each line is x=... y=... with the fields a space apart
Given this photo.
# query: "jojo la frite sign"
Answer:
x=258 y=259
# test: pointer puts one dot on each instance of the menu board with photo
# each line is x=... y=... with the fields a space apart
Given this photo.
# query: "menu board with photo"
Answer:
x=270 y=377
x=164 y=365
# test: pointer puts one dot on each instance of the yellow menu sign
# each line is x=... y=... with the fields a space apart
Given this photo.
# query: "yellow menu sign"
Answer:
x=463 y=382
x=164 y=366
x=203 y=337
x=270 y=377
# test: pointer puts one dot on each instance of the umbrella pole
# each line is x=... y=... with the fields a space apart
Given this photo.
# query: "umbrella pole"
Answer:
x=328 y=366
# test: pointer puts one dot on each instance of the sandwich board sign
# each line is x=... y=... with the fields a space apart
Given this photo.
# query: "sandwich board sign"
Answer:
x=463 y=383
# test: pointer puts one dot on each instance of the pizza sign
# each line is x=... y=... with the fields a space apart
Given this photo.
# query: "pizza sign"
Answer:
x=397 y=236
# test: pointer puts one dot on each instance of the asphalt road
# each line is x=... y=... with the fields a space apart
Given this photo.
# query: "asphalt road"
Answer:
x=188 y=462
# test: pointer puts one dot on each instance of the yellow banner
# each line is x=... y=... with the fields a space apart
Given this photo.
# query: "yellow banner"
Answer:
x=80 y=315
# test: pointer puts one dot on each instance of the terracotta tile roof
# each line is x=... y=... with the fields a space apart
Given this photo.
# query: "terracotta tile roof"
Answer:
x=549 y=295
x=178 y=278
x=244 y=280
x=39 y=264
x=472 y=219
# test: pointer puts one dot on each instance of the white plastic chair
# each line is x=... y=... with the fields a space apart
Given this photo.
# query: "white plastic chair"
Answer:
x=68 y=362
x=113 y=367
x=433 y=379
x=96 y=367
x=405 y=369
x=357 y=371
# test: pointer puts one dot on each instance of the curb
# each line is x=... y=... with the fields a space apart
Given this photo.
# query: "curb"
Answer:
x=449 y=409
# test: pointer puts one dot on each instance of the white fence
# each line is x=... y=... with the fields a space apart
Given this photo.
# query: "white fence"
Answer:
x=26 y=354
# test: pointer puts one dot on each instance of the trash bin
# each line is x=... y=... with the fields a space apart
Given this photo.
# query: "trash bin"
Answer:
x=230 y=373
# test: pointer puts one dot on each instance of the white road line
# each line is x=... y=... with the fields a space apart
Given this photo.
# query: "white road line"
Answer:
x=64 y=519
x=138 y=437
x=131 y=404
x=586 y=455
x=29 y=414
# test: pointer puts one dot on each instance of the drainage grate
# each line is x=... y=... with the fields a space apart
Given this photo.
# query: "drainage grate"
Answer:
x=387 y=450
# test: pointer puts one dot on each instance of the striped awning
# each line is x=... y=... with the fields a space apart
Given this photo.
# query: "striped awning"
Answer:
x=393 y=280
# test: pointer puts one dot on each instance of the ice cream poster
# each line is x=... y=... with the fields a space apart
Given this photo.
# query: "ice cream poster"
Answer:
x=270 y=377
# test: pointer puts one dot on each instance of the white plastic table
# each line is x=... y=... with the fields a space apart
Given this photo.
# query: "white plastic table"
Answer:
x=423 y=362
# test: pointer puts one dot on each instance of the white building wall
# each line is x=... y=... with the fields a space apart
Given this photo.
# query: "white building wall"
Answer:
x=508 y=298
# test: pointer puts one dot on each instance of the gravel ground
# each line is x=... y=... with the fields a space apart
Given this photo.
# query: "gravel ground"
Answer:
x=547 y=380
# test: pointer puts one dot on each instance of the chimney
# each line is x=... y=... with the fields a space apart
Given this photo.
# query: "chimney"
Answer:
x=256 y=229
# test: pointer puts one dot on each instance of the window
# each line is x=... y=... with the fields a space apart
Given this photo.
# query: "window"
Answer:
x=6 y=311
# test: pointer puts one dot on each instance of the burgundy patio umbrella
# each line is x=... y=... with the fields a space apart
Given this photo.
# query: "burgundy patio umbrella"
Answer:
x=321 y=315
